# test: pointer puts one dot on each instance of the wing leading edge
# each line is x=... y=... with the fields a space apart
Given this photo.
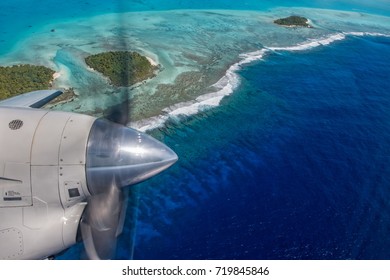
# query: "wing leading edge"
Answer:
x=33 y=99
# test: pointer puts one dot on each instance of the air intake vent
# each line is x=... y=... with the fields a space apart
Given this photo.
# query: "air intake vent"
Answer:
x=15 y=124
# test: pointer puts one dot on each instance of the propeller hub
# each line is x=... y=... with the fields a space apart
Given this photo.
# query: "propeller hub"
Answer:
x=119 y=154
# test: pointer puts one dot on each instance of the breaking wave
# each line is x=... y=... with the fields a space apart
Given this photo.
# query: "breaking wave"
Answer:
x=231 y=80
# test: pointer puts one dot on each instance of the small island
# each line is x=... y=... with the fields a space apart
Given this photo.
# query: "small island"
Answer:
x=123 y=68
x=19 y=79
x=293 y=21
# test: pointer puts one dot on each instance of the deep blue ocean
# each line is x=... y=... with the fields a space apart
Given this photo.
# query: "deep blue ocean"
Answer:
x=294 y=165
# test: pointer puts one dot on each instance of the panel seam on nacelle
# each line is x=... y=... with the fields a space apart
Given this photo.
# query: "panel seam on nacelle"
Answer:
x=59 y=164
x=31 y=149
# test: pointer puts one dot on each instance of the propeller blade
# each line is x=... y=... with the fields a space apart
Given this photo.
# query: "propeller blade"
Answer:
x=101 y=221
x=132 y=221
x=119 y=113
x=117 y=157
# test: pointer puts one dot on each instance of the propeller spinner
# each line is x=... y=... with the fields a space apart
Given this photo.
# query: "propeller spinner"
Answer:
x=117 y=157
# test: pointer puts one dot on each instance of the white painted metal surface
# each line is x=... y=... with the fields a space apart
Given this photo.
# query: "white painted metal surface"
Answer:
x=42 y=180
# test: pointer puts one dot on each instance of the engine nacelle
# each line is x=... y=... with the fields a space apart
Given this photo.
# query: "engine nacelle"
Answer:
x=51 y=162
x=42 y=180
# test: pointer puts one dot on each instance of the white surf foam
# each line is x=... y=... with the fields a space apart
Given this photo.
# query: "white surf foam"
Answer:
x=312 y=43
x=224 y=87
x=231 y=80
x=361 y=34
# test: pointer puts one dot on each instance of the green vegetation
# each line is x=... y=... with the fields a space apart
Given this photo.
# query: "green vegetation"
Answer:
x=293 y=21
x=19 y=79
x=123 y=68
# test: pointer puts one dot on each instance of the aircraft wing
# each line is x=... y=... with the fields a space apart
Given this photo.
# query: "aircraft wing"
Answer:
x=33 y=99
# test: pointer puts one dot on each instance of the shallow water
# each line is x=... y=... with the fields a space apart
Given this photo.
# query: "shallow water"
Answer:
x=194 y=48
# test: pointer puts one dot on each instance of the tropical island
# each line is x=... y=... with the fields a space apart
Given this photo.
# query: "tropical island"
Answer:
x=19 y=79
x=293 y=21
x=123 y=68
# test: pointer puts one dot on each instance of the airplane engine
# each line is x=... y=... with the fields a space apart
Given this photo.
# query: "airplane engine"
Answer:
x=62 y=173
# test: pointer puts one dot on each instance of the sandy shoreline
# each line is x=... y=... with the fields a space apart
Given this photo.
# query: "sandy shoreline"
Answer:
x=56 y=75
x=152 y=62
